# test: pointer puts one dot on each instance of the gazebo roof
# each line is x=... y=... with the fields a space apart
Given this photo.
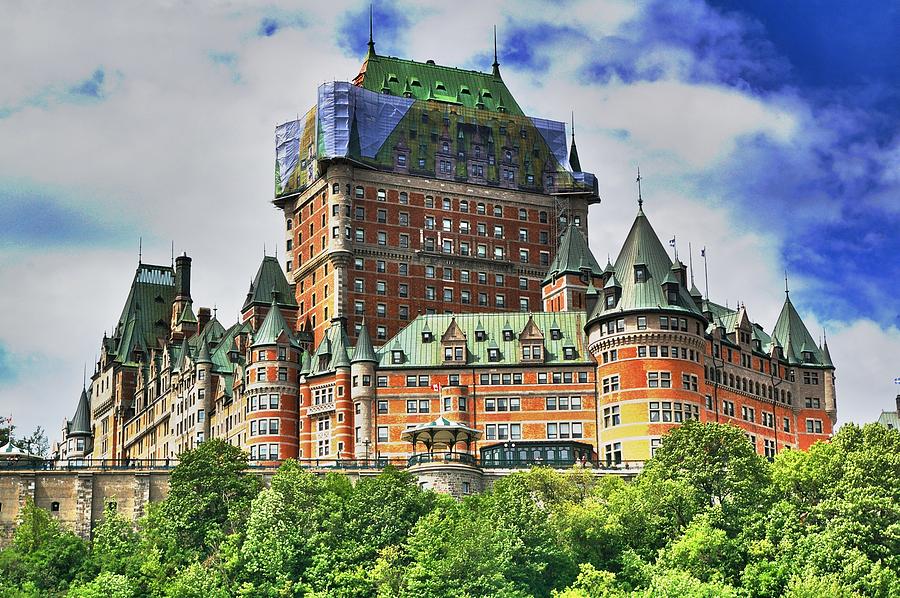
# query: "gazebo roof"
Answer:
x=440 y=431
x=11 y=451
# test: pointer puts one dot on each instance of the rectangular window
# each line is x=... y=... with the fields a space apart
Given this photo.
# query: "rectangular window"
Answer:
x=382 y=434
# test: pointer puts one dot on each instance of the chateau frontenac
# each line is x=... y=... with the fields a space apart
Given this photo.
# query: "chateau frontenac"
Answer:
x=438 y=293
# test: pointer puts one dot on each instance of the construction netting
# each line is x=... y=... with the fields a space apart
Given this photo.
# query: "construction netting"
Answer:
x=430 y=138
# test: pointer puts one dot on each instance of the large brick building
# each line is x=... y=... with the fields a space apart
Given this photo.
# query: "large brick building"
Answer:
x=438 y=274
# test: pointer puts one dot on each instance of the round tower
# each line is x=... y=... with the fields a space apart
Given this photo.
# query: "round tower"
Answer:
x=362 y=374
x=646 y=334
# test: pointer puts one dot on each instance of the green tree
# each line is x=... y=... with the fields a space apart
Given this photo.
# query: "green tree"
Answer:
x=105 y=585
x=115 y=546
x=210 y=493
x=42 y=555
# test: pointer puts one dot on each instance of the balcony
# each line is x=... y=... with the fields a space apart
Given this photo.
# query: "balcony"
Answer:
x=320 y=408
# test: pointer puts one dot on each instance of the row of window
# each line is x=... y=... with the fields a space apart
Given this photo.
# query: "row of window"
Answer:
x=264 y=427
x=672 y=411
x=749 y=386
x=665 y=351
x=262 y=402
x=446 y=204
x=448 y=295
x=263 y=452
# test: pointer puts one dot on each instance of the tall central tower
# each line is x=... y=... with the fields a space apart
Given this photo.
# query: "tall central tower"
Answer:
x=418 y=188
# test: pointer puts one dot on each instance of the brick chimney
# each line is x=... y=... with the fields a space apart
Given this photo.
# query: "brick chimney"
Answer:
x=203 y=318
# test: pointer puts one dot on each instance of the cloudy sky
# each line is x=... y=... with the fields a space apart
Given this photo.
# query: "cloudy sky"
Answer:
x=765 y=131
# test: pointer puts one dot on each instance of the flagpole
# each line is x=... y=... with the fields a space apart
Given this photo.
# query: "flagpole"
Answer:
x=705 y=272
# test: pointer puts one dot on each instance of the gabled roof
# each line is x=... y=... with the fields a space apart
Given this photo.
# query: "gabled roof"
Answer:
x=793 y=333
x=269 y=278
x=272 y=328
x=573 y=256
x=429 y=81
x=643 y=248
x=187 y=314
x=81 y=422
x=418 y=354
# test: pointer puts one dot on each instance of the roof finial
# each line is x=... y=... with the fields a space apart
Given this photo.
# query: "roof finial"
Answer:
x=496 y=65
x=215 y=311
x=691 y=263
x=173 y=253
x=371 y=40
x=786 y=289
x=640 y=197
x=84 y=376
x=140 y=249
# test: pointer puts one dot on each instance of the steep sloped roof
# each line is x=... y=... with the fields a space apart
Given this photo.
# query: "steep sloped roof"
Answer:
x=147 y=311
x=270 y=277
x=791 y=330
x=364 y=350
x=272 y=328
x=431 y=354
x=334 y=348
x=81 y=422
x=573 y=256
x=429 y=81
x=642 y=247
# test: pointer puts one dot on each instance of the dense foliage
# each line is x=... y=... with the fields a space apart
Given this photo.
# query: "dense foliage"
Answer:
x=708 y=517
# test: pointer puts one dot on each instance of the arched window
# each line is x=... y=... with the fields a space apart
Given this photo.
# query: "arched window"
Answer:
x=290 y=224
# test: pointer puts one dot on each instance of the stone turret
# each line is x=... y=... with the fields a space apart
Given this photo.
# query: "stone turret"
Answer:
x=362 y=372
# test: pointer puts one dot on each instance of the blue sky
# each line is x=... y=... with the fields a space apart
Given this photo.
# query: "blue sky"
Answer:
x=765 y=131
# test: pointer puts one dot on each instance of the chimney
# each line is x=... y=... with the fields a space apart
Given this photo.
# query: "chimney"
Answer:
x=203 y=318
x=183 y=276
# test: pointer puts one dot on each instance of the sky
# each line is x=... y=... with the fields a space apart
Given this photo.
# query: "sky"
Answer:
x=765 y=131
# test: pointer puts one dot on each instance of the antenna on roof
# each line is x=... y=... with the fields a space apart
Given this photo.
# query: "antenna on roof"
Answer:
x=371 y=40
x=496 y=65
x=640 y=197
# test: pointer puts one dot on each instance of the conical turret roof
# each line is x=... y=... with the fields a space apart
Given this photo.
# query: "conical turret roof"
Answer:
x=272 y=328
x=573 y=256
x=364 y=351
x=269 y=278
x=793 y=333
x=81 y=422
x=642 y=248
x=204 y=356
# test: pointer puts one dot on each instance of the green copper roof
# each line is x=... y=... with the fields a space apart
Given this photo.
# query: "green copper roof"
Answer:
x=187 y=314
x=643 y=248
x=331 y=352
x=81 y=423
x=826 y=355
x=418 y=354
x=145 y=318
x=272 y=328
x=429 y=81
x=221 y=361
x=573 y=256
x=791 y=330
x=204 y=356
x=269 y=278
x=364 y=351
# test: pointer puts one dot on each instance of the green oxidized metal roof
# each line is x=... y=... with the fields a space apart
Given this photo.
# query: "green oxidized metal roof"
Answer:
x=81 y=422
x=145 y=318
x=573 y=256
x=270 y=277
x=273 y=326
x=429 y=81
x=418 y=354
x=221 y=362
x=643 y=247
x=791 y=330
x=364 y=350
x=332 y=349
x=187 y=314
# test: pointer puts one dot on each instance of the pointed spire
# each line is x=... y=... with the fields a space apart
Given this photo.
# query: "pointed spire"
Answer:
x=204 y=355
x=371 y=52
x=81 y=422
x=787 y=291
x=496 y=66
x=364 y=351
x=640 y=197
x=574 y=162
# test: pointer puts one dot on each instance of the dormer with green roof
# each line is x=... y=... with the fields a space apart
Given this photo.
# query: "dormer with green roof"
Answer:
x=573 y=269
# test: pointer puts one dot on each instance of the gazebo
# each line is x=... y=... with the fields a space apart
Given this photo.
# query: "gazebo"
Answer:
x=442 y=434
x=12 y=457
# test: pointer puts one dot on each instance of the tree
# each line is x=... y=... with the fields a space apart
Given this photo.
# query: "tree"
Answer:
x=718 y=464
x=42 y=554
x=105 y=585
x=210 y=493
x=115 y=546
x=36 y=444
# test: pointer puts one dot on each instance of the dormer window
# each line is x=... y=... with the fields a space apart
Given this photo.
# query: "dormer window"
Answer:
x=507 y=335
x=454 y=354
x=480 y=335
x=640 y=273
x=532 y=352
x=808 y=356
x=396 y=357
x=568 y=352
x=672 y=295
x=493 y=354
x=555 y=334
x=610 y=299
x=427 y=337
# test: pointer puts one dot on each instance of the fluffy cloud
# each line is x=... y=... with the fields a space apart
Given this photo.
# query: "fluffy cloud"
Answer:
x=122 y=121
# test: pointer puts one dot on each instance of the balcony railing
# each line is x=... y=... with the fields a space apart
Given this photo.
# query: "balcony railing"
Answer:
x=442 y=458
